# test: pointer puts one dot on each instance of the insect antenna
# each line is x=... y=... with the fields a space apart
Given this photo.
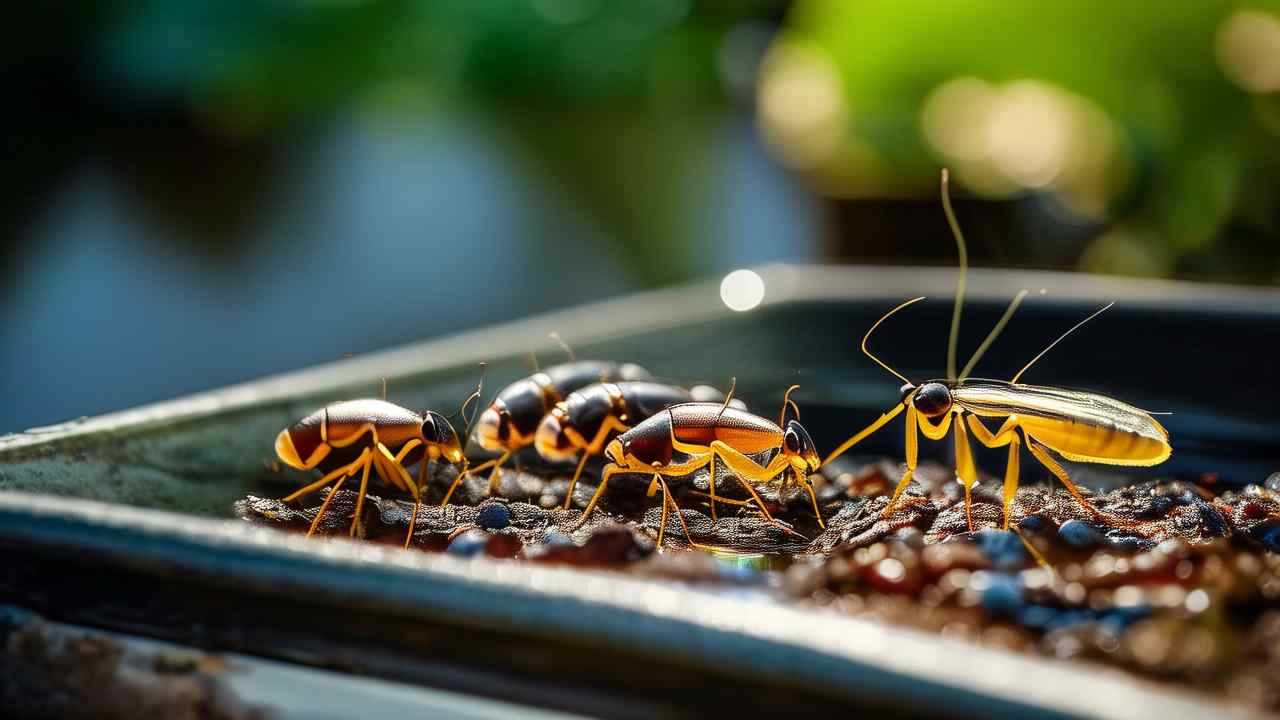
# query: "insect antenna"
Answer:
x=964 y=272
x=733 y=385
x=995 y=332
x=563 y=345
x=533 y=358
x=462 y=410
x=867 y=337
x=1075 y=327
x=787 y=401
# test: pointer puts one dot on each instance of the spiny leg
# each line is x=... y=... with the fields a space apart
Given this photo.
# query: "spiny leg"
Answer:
x=364 y=486
x=324 y=506
x=813 y=495
x=342 y=471
x=886 y=417
x=1047 y=460
x=417 y=498
x=744 y=468
x=1006 y=435
x=365 y=458
x=913 y=453
x=609 y=425
x=462 y=475
x=667 y=498
x=609 y=471
x=965 y=470
x=711 y=487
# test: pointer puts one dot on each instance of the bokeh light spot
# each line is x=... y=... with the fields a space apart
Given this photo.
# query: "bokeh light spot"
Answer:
x=742 y=290
x=802 y=104
x=1248 y=50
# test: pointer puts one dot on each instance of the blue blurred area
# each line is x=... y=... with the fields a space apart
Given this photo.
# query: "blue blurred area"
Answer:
x=374 y=233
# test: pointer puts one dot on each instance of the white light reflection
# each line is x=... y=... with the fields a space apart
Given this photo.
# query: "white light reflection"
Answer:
x=742 y=290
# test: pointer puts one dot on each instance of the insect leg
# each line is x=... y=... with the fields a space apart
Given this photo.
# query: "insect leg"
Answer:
x=913 y=453
x=494 y=463
x=711 y=487
x=344 y=470
x=1006 y=435
x=886 y=417
x=609 y=425
x=417 y=499
x=364 y=486
x=324 y=506
x=813 y=495
x=348 y=471
x=1047 y=460
x=666 y=498
x=965 y=470
x=747 y=469
x=609 y=471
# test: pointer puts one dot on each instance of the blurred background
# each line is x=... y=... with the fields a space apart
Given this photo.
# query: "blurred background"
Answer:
x=199 y=192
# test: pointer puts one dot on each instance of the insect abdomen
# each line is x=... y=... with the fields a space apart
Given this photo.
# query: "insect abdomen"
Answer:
x=702 y=423
x=1086 y=442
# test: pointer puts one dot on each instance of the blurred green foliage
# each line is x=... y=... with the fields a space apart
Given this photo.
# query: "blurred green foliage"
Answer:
x=1190 y=183
x=615 y=103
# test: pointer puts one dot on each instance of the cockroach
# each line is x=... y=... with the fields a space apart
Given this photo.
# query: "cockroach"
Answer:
x=1079 y=426
x=354 y=436
x=510 y=422
x=579 y=426
x=705 y=433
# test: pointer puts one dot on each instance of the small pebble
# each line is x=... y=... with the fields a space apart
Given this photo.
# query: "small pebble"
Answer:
x=1080 y=534
x=1273 y=482
x=1269 y=536
x=1003 y=596
x=1003 y=547
x=469 y=543
x=494 y=516
x=556 y=538
x=1032 y=523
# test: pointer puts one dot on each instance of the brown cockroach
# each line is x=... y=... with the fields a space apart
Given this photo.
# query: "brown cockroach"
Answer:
x=509 y=423
x=705 y=433
x=356 y=436
x=579 y=426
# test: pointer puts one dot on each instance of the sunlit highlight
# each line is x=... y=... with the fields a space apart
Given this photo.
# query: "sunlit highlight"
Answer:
x=742 y=290
x=1025 y=135
x=1248 y=50
x=802 y=105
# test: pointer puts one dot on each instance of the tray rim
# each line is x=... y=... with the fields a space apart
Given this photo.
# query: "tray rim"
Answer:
x=747 y=633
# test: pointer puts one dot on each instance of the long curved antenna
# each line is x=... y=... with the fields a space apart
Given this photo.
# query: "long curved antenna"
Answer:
x=995 y=332
x=1060 y=339
x=563 y=345
x=867 y=337
x=733 y=385
x=474 y=396
x=964 y=272
x=786 y=400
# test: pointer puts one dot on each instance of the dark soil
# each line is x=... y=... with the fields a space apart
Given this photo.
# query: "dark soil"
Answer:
x=1177 y=580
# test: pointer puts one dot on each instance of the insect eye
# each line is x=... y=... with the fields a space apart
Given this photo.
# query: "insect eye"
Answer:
x=430 y=432
x=792 y=441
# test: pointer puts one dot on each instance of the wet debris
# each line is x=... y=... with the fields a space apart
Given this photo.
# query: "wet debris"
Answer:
x=48 y=670
x=1184 y=584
